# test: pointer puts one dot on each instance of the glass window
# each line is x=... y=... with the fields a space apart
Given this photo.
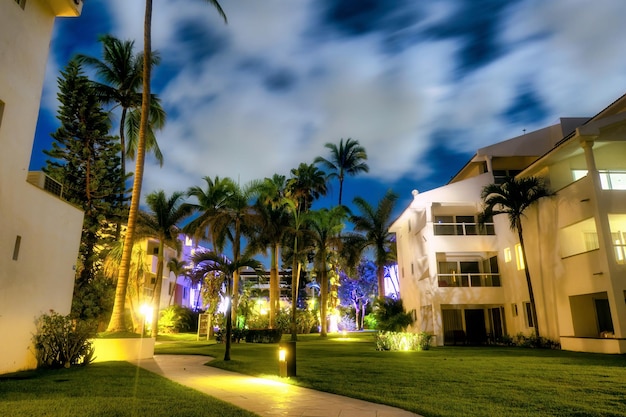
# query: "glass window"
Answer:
x=444 y=226
x=529 y=315
x=519 y=257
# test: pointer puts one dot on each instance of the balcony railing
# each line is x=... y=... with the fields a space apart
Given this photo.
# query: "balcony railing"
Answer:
x=469 y=280
x=463 y=229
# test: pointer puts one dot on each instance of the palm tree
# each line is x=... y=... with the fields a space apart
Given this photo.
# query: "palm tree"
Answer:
x=234 y=221
x=117 y=317
x=325 y=226
x=210 y=201
x=512 y=198
x=307 y=184
x=273 y=223
x=346 y=159
x=179 y=269
x=374 y=224
x=161 y=223
x=209 y=262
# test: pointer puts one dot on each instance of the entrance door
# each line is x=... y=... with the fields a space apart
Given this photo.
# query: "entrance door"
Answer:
x=475 y=326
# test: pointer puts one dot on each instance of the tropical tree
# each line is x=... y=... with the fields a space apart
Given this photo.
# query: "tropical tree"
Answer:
x=512 y=198
x=325 y=226
x=307 y=184
x=117 y=317
x=179 y=269
x=82 y=159
x=211 y=200
x=345 y=159
x=234 y=221
x=273 y=223
x=210 y=262
x=360 y=290
x=120 y=71
x=161 y=222
x=372 y=227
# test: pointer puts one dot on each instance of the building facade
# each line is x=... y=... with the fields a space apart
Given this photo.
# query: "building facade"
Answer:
x=466 y=283
x=40 y=232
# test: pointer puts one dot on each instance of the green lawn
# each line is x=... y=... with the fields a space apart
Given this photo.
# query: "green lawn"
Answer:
x=448 y=381
x=112 y=389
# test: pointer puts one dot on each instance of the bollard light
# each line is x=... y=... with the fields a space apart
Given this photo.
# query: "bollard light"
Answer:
x=287 y=359
x=282 y=355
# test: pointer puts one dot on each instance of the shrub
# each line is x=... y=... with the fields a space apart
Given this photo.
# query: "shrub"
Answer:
x=533 y=341
x=391 y=316
x=176 y=319
x=370 y=321
x=346 y=322
x=305 y=321
x=263 y=335
x=403 y=341
x=62 y=342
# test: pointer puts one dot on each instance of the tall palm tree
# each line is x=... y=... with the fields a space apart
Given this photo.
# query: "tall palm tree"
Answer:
x=307 y=184
x=345 y=159
x=512 y=198
x=273 y=223
x=373 y=224
x=209 y=262
x=162 y=224
x=234 y=221
x=325 y=226
x=211 y=200
x=117 y=317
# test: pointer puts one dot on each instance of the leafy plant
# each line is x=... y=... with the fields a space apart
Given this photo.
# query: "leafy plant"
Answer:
x=403 y=341
x=391 y=316
x=61 y=342
x=175 y=319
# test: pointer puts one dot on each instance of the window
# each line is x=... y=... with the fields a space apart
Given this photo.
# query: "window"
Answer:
x=519 y=257
x=610 y=180
x=461 y=226
x=507 y=255
x=155 y=251
x=514 y=309
x=500 y=175
x=469 y=273
x=528 y=311
x=578 y=238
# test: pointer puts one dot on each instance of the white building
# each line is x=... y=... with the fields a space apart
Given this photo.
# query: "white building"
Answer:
x=467 y=284
x=40 y=232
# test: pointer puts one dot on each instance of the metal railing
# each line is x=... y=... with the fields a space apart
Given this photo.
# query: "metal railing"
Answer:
x=472 y=279
x=463 y=229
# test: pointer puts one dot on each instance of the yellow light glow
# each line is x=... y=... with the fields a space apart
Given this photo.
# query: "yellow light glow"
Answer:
x=344 y=333
x=146 y=312
x=282 y=355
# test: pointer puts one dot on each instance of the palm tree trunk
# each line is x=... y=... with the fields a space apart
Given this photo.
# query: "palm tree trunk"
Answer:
x=273 y=283
x=323 y=301
x=295 y=283
x=229 y=322
x=235 y=287
x=380 y=275
x=118 y=226
x=531 y=295
x=156 y=296
x=117 y=323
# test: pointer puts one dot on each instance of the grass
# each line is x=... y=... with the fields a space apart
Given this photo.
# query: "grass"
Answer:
x=112 y=389
x=445 y=381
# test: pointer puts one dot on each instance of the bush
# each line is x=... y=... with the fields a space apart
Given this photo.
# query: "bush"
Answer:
x=175 y=319
x=370 y=321
x=391 y=316
x=263 y=336
x=237 y=335
x=61 y=342
x=403 y=341
x=533 y=341
x=305 y=321
x=347 y=323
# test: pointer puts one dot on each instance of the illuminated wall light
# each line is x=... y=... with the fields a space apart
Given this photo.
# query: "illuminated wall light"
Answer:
x=507 y=255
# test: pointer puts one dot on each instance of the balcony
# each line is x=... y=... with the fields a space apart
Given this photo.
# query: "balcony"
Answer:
x=66 y=8
x=463 y=229
x=473 y=280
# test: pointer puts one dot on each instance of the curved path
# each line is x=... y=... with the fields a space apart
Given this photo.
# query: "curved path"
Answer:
x=262 y=396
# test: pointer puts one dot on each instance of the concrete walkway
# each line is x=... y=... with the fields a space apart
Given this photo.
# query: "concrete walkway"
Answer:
x=262 y=396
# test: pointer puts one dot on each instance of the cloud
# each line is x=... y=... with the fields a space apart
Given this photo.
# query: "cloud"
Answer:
x=266 y=91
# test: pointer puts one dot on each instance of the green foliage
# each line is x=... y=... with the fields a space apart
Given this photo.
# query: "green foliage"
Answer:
x=305 y=321
x=370 y=321
x=264 y=335
x=403 y=341
x=94 y=300
x=391 y=316
x=175 y=319
x=534 y=341
x=61 y=342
